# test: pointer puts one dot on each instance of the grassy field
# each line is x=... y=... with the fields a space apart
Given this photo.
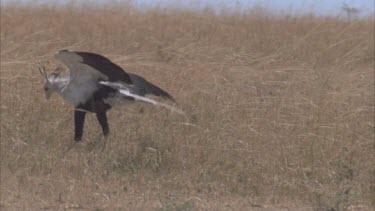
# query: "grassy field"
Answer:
x=280 y=112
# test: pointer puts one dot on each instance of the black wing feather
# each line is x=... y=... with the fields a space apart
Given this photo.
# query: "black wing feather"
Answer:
x=143 y=87
x=105 y=66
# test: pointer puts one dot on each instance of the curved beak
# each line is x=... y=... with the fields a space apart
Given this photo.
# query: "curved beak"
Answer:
x=48 y=95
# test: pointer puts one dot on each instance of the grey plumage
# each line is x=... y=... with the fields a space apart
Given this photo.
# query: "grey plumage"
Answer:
x=95 y=84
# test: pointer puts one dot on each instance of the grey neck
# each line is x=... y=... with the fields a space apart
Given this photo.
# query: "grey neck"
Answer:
x=58 y=84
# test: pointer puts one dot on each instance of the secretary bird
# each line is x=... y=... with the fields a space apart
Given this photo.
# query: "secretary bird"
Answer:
x=95 y=84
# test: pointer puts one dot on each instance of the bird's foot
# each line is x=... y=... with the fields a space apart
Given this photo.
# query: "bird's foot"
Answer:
x=100 y=142
x=71 y=145
x=104 y=143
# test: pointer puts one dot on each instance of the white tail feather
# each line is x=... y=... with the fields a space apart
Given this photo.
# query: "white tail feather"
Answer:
x=125 y=91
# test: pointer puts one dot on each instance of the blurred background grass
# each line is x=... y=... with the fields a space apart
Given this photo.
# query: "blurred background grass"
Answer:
x=280 y=111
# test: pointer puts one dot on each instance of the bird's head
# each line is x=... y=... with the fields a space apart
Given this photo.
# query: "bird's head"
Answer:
x=48 y=85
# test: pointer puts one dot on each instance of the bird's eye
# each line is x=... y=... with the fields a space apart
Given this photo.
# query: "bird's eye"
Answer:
x=45 y=88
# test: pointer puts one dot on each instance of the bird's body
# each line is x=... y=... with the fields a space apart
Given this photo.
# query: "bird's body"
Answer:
x=95 y=84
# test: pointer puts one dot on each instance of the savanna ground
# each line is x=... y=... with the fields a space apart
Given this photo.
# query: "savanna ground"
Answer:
x=280 y=112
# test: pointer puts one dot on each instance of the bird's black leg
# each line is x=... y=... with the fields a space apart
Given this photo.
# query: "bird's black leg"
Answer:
x=79 y=121
x=102 y=118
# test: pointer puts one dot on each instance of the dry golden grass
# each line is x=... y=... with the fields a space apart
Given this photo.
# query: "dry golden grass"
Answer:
x=280 y=112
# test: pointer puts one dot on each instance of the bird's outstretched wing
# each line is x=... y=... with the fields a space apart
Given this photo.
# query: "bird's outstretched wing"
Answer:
x=142 y=87
x=87 y=66
x=124 y=90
